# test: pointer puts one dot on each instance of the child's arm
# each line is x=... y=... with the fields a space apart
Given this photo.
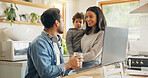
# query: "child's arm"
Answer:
x=69 y=42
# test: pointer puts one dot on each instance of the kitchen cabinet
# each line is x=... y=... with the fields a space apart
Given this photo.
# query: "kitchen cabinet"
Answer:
x=12 y=69
x=141 y=10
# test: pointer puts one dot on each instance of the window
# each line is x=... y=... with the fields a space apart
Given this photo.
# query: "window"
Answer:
x=117 y=15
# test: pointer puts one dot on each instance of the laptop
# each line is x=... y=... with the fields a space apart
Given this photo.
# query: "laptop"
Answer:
x=114 y=48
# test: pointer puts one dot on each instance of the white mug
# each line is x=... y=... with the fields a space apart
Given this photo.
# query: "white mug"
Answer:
x=81 y=55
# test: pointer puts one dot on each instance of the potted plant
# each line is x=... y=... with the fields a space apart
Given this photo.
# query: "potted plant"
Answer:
x=65 y=52
x=10 y=13
x=34 y=17
x=38 y=19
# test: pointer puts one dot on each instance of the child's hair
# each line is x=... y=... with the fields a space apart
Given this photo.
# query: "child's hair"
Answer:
x=78 y=15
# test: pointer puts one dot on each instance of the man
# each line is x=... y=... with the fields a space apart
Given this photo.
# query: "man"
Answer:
x=44 y=58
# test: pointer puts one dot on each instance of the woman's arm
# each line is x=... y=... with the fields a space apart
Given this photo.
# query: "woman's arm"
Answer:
x=96 y=49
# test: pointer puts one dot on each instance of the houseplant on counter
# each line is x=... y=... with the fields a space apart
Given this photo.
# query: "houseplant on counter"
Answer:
x=10 y=13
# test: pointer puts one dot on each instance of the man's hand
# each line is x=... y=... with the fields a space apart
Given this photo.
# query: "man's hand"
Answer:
x=74 y=63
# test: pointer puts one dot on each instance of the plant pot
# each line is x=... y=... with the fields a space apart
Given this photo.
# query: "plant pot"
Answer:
x=34 y=19
x=12 y=12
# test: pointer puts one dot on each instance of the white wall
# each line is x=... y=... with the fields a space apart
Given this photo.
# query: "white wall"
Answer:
x=72 y=8
x=144 y=29
x=135 y=46
x=141 y=45
x=84 y=4
x=77 y=6
x=22 y=9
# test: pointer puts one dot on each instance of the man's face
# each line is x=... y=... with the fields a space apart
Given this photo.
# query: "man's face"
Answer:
x=61 y=26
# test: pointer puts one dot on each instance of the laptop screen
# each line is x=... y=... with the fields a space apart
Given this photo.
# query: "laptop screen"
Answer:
x=114 y=46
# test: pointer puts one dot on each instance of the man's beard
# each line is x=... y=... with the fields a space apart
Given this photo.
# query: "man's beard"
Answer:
x=60 y=31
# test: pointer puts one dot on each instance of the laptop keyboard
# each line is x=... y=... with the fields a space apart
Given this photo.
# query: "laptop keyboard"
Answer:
x=87 y=68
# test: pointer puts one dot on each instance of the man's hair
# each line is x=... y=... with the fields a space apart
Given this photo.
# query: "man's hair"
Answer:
x=78 y=15
x=49 y=16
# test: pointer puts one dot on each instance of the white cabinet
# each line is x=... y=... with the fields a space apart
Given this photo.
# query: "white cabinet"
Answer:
x=12 y=69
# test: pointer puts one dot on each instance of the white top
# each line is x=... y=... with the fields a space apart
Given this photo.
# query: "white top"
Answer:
x=56 y=49
x=91 y=46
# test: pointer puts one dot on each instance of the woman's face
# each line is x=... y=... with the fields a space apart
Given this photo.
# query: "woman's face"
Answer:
x=91 y=18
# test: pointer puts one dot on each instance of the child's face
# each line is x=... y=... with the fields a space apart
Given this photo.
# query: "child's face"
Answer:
x=78 y=23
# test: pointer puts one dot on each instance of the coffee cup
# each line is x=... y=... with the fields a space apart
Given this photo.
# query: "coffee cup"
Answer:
x=81 y=55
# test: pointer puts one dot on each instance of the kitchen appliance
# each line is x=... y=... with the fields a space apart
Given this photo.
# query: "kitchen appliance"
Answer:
x=13 y=50
x=137 y=61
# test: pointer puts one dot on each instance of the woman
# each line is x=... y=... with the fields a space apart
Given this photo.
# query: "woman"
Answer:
x=92 y=41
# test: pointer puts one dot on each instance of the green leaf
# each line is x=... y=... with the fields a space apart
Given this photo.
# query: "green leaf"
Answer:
x=11 y=5
x=15 y=6
x=11 y=24
x=12 y=20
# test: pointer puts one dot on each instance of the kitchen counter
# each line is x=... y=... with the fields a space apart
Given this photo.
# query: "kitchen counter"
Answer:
x=99 y=73
x=16 y=63
x=95 y=73
x=12 y=69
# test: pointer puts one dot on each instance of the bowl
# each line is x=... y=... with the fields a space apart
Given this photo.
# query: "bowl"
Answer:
x=18 y=33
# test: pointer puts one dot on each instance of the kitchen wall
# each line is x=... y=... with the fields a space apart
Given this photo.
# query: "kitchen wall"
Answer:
x=141 y=45
x=135 y=46
x=22 y=9
x=78 y=6
x=144 y=28
x=72 y=7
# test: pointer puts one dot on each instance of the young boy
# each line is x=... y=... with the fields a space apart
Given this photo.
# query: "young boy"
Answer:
x=74 y=35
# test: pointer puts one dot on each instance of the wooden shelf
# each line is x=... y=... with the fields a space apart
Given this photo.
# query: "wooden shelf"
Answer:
x=21 y=22
x=26 y=3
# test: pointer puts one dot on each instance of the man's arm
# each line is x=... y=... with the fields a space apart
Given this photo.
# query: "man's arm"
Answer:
x=42 y=60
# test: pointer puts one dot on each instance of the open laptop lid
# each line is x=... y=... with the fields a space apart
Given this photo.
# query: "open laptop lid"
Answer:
x=114 y=46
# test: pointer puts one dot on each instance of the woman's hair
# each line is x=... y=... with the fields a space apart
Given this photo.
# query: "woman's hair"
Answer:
x=101 y=21
x=78 y=15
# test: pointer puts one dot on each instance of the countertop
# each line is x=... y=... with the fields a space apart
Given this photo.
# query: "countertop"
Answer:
x=95 y=73
x=22 y=63
x=99 y=73
x=15 y=63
